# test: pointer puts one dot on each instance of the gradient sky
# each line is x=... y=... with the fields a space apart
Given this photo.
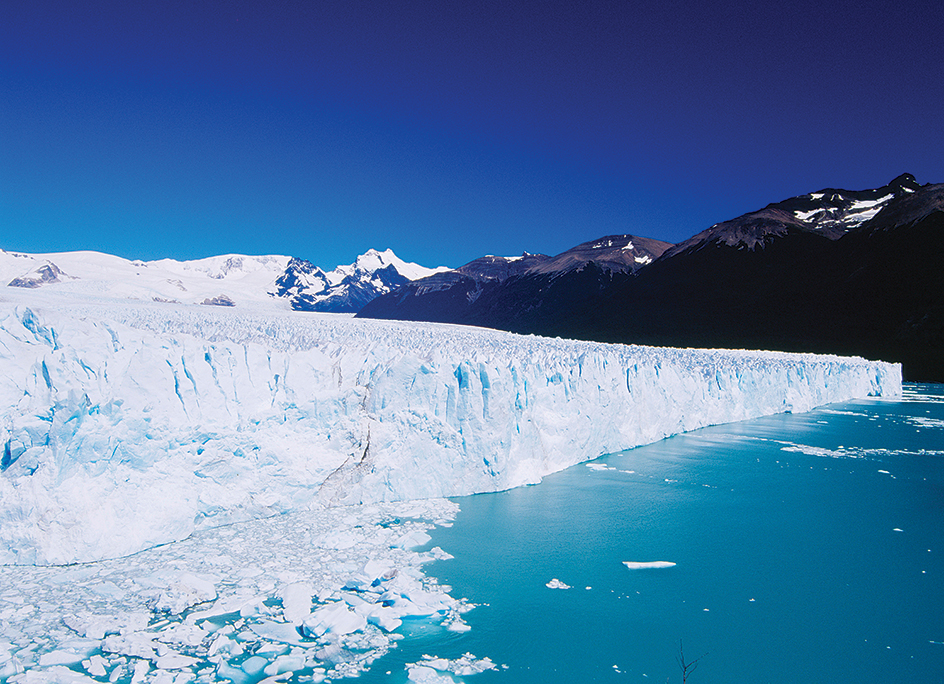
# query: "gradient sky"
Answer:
x=444 y=130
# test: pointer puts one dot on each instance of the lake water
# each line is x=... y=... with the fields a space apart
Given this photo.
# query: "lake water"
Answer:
x=808 y=548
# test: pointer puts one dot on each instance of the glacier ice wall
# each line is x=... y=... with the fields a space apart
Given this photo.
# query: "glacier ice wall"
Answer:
x=128 y=425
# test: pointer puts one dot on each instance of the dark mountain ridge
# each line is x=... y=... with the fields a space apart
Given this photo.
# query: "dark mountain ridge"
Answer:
x=836 y=271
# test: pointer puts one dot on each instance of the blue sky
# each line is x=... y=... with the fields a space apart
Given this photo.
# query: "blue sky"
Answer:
x=444 y=130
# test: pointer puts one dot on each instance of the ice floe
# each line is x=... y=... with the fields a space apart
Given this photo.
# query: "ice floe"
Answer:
x=647 y=565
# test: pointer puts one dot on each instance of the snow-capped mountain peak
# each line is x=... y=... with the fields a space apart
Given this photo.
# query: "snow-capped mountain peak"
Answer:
x=372 y=260
x=229 y=279
x=349 y=287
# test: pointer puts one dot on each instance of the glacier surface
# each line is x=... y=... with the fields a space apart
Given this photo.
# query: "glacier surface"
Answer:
x=130 y=424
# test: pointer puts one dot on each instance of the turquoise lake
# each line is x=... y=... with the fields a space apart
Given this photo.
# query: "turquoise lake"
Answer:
x=808 y=548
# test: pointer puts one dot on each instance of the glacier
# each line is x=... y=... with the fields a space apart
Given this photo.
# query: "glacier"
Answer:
x=130 y=424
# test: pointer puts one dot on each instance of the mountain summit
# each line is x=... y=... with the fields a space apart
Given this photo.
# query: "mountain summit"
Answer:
x=227 y=280
x=838 y=271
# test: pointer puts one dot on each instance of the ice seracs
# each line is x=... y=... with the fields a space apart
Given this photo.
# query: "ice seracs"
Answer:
x=164 y=419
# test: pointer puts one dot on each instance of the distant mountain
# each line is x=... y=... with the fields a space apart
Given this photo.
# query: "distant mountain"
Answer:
x=346 y=289
x=228 y=280
x=491 y=288
x=848 y=272
x=830 y=213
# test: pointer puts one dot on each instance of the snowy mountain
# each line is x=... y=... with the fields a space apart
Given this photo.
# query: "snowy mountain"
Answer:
x=126 y=424
x=273 y=282
x=347 y=289
x=505 y=283
x=839 y=271
x=617 y=253
x=830 y=213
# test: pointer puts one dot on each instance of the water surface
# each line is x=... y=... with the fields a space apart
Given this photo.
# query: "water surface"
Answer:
x=809 y=548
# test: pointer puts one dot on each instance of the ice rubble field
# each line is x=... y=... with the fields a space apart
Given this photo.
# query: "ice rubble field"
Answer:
x=235 y=603
x=130 y=424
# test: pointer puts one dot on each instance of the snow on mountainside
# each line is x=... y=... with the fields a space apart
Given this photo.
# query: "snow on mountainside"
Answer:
x=613 y=252
x=830 y=213
x=228 y=280
x=347 y=289
x=242 y=279
x=129 y=424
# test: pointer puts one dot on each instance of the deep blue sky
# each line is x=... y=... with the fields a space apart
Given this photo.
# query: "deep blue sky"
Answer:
x=443 y=130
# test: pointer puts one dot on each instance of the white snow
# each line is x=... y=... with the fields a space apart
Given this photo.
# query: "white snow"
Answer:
x=868 y=204
x=373 y=260
x=807 y=215
x=241 y=279
x=130 y=424
x=863 y=210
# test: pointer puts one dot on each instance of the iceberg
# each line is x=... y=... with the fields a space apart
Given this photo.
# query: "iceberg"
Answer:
x=129 y=424
x=648 y=565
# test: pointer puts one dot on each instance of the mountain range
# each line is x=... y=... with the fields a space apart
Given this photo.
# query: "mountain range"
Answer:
x=833 y=271
x=228 y=280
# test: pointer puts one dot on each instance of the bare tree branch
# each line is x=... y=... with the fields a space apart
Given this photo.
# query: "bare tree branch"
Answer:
x=687 y=667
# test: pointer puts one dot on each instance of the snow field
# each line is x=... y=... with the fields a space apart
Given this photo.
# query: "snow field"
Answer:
x=128 y=425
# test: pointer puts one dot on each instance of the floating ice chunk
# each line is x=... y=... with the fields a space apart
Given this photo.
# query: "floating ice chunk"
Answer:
x=646 y=565
x=557 y=584
x=285 y=664
x=183 y=635
x=387 y=618
x=174 y=661
x=253 y=664
x=185 y=591
x=296 y=601
x=412 y=540
x=336 y=618
x=599 y=466
x=95 y=666
x=136 y=644
x=285 y=676
x=97 y=626
x=58 y=674
x=283 y=632
x=372 y=577
x=465 y=665
x=422 y=674
x=140 y=671
x=61 y=657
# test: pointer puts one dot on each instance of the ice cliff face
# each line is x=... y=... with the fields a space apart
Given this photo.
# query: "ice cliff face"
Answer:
x=129 y=425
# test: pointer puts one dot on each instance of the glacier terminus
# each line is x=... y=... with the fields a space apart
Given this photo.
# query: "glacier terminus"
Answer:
x=128 y=424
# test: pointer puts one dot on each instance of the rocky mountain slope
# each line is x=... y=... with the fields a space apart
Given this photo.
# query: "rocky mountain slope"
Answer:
x=850 y=272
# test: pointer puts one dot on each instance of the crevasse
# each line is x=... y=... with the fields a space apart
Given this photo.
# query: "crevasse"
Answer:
x=129 y=425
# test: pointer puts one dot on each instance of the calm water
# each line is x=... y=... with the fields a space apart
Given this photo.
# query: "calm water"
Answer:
x=809 y=548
